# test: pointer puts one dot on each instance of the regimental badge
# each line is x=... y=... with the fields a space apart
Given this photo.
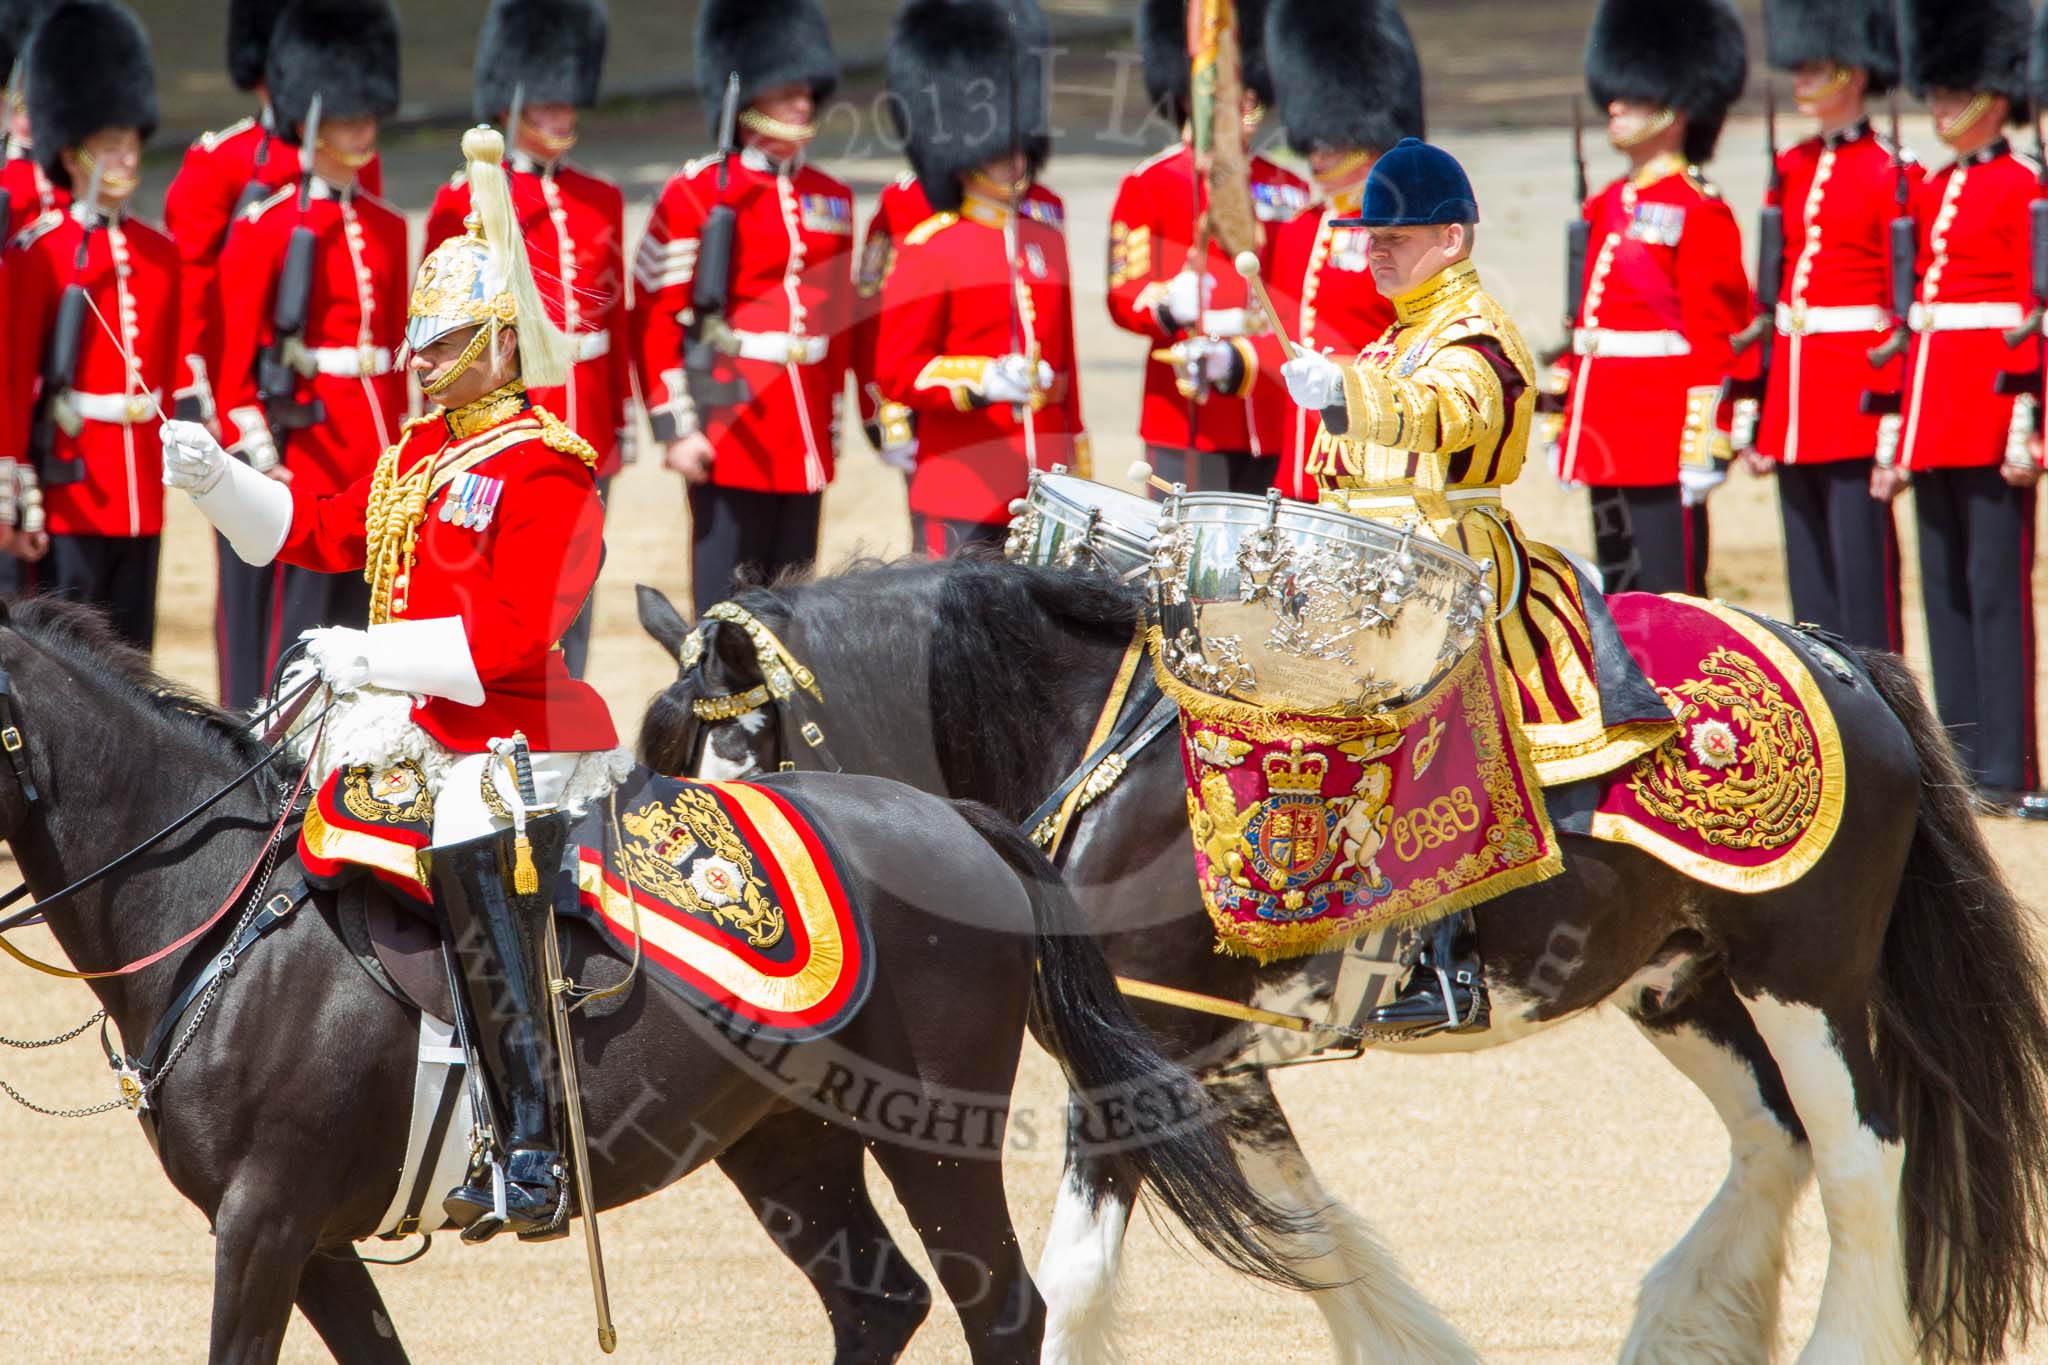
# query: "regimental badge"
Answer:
x=1348 y=250
x=396 y=795
x=877 y=258
x=1034 y=257
x=471 y=501
x=1276 y=202
x=1657 y=224
x=689 y=854
x=828 y=213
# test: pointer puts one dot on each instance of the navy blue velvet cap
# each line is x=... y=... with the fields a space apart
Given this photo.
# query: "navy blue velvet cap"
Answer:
x=1415 y=184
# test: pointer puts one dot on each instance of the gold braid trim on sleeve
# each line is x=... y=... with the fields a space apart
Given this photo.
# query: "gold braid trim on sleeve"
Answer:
x=555 y=434
x=1451 y=403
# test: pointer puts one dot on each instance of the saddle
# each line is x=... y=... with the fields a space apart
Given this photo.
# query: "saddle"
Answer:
x=395 y=941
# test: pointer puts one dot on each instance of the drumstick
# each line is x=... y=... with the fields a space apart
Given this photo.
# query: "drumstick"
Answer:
x=1248 y=266
x=1141 y=472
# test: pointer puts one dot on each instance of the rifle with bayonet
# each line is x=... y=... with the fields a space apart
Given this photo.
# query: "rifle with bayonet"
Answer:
x=277 y=376
x=1578 y=238
x=710 y=337
x=7 y=138
x=1010 y=249
x=1748 y=394
x=2026 y=387
x=1902 y=253
x=60 y=364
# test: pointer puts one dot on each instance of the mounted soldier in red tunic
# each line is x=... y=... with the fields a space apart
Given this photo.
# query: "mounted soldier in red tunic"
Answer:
x=479 y=534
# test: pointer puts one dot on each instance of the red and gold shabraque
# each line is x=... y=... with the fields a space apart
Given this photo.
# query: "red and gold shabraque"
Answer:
x=1311 y=830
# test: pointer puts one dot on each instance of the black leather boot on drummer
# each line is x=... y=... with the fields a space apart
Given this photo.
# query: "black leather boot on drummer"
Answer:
x=1446 y=989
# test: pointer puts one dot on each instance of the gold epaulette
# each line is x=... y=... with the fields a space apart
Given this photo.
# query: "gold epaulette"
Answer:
x=555 y=434
x=930 y=228
x=1697 y=178
x=257 y=210
x=208 y=141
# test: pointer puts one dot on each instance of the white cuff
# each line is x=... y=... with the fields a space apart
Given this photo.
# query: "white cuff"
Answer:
x=252 y=510
x=428 y=658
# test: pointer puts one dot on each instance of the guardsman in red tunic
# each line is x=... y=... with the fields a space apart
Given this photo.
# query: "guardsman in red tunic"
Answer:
x=30 y=191
x=224 y=173
x=1349 y=87
x=1198 y=322
x=479 y=533
x=87 y=441
x=547 y=55
x=1973 y=481
x=1665 y=292
x=977 y=331
x=743 y=375
x=891 y=427
x=337 y=393
x=1837 y=191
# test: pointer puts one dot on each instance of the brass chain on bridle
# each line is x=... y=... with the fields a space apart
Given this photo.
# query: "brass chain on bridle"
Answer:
x=783 y=678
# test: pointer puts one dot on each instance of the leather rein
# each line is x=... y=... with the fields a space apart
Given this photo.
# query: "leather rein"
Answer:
x=13 y=748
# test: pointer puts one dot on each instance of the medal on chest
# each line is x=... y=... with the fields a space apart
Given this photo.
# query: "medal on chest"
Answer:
x=1034 y=260
x=828 y=213
x=1657 y=224
x=1348 y=249
x=471 y=501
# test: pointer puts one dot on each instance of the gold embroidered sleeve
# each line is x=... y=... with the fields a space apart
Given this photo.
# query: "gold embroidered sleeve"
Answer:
x=960 y=375
x=1452 y=403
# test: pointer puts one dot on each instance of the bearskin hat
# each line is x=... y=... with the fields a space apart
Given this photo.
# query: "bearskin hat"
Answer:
x=250 y=23
x=1686 y=55
x=1346 y=73
x=88 y=67
x=1860 y=33
x=1968 y=45
x=344 y=51
x=1163 y=45
x=18 y=19
x=552 y=51
x=954 y=56
x=770 y=43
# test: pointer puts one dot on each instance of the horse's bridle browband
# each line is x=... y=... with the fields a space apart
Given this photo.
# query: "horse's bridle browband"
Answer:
x=784 y=680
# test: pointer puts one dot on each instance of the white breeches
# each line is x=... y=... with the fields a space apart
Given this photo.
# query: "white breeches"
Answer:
x=459 y=809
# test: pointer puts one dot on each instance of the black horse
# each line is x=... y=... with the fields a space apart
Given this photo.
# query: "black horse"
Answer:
x=1880 y=1022
x=285 y=1118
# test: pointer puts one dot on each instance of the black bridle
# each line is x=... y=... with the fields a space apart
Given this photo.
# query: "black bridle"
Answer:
x=788 y=690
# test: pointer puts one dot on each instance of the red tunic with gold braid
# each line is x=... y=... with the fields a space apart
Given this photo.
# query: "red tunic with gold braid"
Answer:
x=1666 y=293
x=1974 y=285
x=212 y=182
x=126 y=359
x=1322 y=284
x=1838 y=195
x=1151 y=236
x=791 y=311
x=947 y=312
x=574 y=226
x=515 y=557
x=348 y=357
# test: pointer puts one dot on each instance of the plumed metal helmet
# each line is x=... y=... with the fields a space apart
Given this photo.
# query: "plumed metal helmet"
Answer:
x=1163 y=46
x=482 y=279
x=950 y=63
x=344 y=51
x=1346 y=73
x=1968 y=45
x=1859 y=33
x=1415 y=184
x=551 y=51
x=250 y=23
x=1689 y=56
x=770 y=43
x=87 y=68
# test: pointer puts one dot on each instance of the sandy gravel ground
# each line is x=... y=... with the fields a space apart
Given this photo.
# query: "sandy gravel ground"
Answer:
x=1526 y=1190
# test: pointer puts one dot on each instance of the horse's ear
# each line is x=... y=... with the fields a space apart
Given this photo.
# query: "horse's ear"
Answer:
x=659 y=618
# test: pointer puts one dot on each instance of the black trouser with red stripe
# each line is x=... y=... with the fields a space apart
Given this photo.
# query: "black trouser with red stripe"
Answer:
x=1976 y=575
x=262 y=610
x=117 y=574
x=1841 y=552
x=1640 y=539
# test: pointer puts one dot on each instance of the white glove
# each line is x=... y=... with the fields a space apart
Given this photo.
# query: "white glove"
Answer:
x=1010 y=379
x=903 y=457
x=1314 y=381
x=1215 y=362
x=1187 y=294
x=342 y=654
x=193 y=460
x=1694 y=483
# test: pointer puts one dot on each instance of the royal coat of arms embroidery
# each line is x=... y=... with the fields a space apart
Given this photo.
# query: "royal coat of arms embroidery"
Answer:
x=687 y=852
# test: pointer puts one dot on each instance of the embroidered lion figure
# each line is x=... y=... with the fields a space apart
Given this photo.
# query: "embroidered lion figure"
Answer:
x=1219 y=826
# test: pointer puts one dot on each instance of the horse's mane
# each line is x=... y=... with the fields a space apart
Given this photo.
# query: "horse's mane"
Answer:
x=1006 y=643
x=82 y=637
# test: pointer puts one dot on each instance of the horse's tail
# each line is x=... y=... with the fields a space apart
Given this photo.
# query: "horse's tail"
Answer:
x=1147 y=1115
x=1962 y=1044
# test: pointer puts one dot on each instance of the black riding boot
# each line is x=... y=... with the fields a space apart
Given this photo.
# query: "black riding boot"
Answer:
x=498 y=938
x=1445 y=991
